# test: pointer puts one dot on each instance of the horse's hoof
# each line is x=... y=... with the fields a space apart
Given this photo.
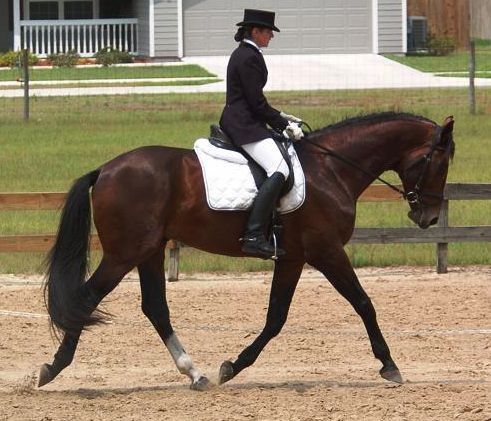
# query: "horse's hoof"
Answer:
x=392 y=374
x=202 y=385
x=226 y=372
x=45 y=375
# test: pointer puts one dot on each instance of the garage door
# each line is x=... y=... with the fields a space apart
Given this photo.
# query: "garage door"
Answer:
x=307 y=26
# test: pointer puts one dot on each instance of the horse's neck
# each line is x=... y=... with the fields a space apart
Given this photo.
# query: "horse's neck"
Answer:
x=374 y=151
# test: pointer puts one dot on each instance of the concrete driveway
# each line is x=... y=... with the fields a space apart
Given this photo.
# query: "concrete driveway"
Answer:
x=337 y=71
x=288 y=72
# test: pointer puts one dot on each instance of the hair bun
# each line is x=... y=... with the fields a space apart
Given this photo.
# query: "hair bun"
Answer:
x=239 y=36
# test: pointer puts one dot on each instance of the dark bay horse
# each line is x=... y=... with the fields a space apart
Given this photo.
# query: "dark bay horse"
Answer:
x=145 y=197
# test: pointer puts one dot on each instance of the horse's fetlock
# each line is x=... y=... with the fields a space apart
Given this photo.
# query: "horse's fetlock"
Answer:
x=184 y=364
x=62 y=361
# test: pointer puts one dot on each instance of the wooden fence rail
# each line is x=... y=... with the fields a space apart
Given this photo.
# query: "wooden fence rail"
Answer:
x=441 y=234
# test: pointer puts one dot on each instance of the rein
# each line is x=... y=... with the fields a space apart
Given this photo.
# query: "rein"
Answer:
x=413 y=196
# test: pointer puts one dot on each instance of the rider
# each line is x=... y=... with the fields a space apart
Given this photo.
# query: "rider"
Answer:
x=245 y=117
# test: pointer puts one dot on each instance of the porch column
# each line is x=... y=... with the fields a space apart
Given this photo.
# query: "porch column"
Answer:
x=151 y=27
x=404 y=26
x=374 y=26
x=16 y=14
x=180 y=33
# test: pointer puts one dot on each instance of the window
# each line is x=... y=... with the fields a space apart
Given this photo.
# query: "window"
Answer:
x=43 y=10
x=78 y=9
x=60 y=9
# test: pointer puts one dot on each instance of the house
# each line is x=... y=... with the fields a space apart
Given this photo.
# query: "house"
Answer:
x=177 y=28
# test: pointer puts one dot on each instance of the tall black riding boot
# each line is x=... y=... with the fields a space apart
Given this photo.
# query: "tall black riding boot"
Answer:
x=254 y=240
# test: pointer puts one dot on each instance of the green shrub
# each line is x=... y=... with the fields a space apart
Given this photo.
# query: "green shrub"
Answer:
x=68 y=59
x=480 y=42
x=109 y=56
x=440 y=46
x=14 y=59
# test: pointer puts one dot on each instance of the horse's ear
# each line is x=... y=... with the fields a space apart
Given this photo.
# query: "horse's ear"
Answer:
x=446 y=133
x=447 y=127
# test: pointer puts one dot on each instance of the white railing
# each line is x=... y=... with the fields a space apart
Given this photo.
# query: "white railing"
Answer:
x=87 y=37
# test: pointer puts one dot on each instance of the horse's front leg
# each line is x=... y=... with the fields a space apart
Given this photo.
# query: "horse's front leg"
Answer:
x=336 y=267
x=285 y=279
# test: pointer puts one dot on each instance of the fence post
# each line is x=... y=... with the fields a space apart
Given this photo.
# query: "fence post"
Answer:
x=442 y=248
x=472 y=75
x=173 y=274
x=25 y=78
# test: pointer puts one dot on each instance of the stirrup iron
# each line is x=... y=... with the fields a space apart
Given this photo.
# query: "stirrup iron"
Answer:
x=275 y=245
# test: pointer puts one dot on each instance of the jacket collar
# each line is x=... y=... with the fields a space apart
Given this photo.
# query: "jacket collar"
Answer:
x=250 y=43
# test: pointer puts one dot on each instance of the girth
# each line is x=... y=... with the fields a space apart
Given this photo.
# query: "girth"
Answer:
x=220 y=139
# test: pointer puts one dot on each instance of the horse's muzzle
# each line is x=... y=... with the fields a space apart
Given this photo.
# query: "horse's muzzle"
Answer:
x=421 y=219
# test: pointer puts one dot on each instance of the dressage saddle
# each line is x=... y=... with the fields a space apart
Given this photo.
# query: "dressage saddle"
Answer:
x=220 y=139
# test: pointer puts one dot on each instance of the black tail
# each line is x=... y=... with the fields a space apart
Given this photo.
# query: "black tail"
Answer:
x=68 y=303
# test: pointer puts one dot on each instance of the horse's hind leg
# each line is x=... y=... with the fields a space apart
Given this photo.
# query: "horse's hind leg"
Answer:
x=62 y=359
x=101 y=283
x=154 y=306
x=338 y=270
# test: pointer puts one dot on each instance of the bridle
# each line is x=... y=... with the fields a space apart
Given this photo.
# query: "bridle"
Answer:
x=413 y=197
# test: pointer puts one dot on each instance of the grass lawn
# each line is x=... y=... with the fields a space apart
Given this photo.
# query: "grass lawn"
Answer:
x=483 y=74
x=112 y=72
x=455 y=62
x=67 y=137
x=95 y=84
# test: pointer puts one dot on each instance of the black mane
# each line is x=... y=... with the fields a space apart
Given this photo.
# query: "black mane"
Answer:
x=370 y=118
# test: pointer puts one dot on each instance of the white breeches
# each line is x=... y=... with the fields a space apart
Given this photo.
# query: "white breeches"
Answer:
x=266 y=153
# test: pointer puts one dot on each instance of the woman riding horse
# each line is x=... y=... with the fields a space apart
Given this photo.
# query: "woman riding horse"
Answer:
x=244 y=119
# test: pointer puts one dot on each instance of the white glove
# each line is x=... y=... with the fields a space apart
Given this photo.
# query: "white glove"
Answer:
x=290 y=117
x=293 y=131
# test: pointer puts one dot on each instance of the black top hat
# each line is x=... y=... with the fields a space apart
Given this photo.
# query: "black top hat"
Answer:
x=261 y=18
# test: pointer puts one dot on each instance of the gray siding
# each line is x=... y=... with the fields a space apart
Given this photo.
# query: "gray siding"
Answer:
x=390 y=26
x=307 y=26
x=166 y=36
x=317 y=26
x=142 y=13
x=5 y=35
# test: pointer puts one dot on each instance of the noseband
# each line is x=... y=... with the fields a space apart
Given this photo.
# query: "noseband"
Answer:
x=413 y=197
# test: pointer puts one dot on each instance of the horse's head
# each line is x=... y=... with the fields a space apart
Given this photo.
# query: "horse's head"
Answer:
x=424 y=172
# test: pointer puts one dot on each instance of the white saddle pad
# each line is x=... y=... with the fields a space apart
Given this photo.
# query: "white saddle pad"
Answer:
x=229 y=182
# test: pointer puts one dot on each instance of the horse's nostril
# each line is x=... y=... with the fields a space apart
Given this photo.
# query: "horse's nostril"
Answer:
x=434 y=221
